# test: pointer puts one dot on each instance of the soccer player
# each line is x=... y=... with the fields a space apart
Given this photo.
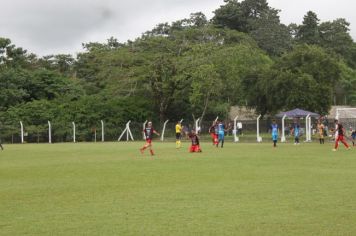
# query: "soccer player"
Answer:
x=239 y=128
x=274 y=131
x=353 y=137
x=296 y=132
x=339 y=132
x=179 y=128
x=213 y=131
x=148 y=132
x=221 y=134
x=195 y=142
x=321 y=132
x=2 y=148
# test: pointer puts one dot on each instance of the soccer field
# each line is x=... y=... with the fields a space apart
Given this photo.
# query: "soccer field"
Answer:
x=242 y=189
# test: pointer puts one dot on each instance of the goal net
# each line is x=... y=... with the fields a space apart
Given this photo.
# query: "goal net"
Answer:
x=347 y=116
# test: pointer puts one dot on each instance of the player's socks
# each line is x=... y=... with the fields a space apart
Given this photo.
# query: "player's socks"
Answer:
x=143 y=149
x=222 y=143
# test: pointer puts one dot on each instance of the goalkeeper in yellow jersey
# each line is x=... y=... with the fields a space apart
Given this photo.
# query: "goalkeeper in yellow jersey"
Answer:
x=179 y=128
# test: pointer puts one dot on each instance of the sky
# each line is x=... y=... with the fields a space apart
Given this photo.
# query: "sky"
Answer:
x=47 y=27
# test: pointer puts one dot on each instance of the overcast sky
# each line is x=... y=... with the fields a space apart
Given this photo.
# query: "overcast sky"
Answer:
x=61 y=26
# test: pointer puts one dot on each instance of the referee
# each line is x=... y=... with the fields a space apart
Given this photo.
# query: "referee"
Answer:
x=179 y=128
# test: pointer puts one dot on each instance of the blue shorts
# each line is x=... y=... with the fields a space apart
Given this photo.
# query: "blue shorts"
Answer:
x=221 y=136
x=274 y=137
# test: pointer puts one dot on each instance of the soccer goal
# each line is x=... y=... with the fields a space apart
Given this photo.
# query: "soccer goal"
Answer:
x=347 y=116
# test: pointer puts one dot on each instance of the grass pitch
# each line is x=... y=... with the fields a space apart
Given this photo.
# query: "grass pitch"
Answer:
x=242 y=189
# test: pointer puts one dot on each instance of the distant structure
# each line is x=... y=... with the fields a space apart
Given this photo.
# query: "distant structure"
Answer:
x=332 y=112
x=243 y=113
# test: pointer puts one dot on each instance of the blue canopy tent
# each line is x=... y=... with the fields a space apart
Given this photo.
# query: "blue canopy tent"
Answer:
x=297 y=113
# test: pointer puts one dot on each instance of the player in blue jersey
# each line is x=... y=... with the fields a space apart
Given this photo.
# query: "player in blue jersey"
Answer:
x=274 y=131
x=296 y=132
x=221 y=134
x=353 y=136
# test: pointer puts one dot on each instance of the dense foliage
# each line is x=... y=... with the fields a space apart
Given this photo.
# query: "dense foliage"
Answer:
x=190 y=68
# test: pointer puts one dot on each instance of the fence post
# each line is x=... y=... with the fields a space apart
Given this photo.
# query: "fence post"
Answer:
x=128 y=132
x=283 y=138
x=102 y=131
x=144 y=126
x=74 y=140
x=309 y=124
x=49 y=132
x=236 y=138
x=307 y=128
x=164 y=128
x=197 y=128
x=259 y=138
x=22 y=139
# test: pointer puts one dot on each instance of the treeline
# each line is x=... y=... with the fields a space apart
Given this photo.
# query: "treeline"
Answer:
x=190 y=68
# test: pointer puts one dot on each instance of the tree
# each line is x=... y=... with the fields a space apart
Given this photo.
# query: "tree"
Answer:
x=256 y=87
x=335 y=36
x=308 y=32
x=347 y=86
x=12 y=56
x=162 y=83
x=205 y=84
x=13 y=83
x=235 y=64
x=313 y=60
x=306 y=77
x=49 y=85
x=291 y=90
x=272 y=36
x=243 y=16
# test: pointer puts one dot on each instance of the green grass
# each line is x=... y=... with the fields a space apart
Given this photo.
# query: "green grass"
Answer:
x=111 y=189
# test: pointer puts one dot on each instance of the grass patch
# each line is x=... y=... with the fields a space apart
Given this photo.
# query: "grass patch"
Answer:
x=242 y=189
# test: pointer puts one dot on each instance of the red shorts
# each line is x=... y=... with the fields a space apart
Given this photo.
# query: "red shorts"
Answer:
x=148 y=141
x=214 y=137
x=194 y=148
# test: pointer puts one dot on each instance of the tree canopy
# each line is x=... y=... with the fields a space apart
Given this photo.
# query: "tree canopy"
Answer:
x=193 y=67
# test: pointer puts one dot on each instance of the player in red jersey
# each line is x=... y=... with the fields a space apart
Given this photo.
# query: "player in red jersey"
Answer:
x=148 y=132
x=195 y=142
x=213 y=133
x=339 y=136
